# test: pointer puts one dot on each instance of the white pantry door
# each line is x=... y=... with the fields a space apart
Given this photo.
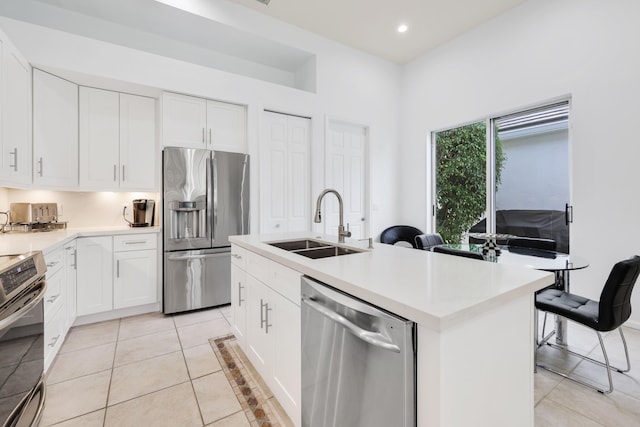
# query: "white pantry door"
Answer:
x=346 y=172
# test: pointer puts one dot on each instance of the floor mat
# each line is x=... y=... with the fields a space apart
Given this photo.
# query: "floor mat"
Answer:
x=261 y=408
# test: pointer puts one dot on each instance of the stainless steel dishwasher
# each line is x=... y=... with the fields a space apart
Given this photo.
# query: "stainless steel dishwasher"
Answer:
x=358 y=362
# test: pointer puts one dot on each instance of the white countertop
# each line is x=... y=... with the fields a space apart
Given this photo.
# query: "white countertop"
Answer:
x=432 y=289
x=12 y=243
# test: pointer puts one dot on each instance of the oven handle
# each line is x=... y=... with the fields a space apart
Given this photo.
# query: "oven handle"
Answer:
x=7 y=321
x=373 y=338
x=16 y=415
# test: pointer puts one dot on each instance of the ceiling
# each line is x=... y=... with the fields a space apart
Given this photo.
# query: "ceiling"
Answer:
x=371 y=25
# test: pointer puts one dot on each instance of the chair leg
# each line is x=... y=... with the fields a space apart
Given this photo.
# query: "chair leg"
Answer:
x=626 y=352
x=606 y=363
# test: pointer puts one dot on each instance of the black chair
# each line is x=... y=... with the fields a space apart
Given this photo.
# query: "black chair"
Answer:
x=458 y=252
x=400 y=233
x=533 y=243
x=427 y=241
x=613 y=309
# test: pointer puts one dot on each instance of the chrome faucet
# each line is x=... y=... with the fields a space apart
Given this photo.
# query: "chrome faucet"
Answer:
x=342 y=233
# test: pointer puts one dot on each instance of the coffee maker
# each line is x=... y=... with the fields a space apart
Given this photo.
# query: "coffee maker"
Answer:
x=143 y=213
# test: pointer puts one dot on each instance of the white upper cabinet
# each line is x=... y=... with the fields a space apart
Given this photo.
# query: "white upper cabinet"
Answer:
x=117 y=141
x=184 y=121
x=99 y=138
x=285 y=174
x=137 y=143
x=193 y=122
x=227 y=127
x=15 y=95
x=55 y=131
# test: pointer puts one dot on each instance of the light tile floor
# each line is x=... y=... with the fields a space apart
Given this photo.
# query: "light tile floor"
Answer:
x=161 y=370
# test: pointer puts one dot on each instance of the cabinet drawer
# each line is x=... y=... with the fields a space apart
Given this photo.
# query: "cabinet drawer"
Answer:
x=135 y=242
x=54 y=295
x=239 y=257
x=54 y=261
x=285 y=281
x=258 y=266
x=54 y=332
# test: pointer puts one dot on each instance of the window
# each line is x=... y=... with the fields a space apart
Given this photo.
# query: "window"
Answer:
x=512 y=179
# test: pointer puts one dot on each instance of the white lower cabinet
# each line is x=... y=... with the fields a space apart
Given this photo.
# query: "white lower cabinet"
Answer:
x=70 y=262
x=95 y=275
x=135 y=281
x=239 y=303
x=55 y=307
x=116 y=272
x=270 y=319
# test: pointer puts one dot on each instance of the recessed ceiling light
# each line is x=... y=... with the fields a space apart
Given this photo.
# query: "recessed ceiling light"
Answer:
x=402 y=28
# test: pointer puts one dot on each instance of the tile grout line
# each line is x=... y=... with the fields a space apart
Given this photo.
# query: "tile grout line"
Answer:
x=113 y=361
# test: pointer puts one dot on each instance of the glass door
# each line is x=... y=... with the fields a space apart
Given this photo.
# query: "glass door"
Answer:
x=532 y=197
x=460 y=180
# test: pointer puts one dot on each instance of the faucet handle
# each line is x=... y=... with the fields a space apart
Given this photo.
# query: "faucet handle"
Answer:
x=347 y=233
x=370 y=239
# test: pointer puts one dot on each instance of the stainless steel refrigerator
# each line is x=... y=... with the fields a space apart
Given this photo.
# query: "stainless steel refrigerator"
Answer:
x=206 y=200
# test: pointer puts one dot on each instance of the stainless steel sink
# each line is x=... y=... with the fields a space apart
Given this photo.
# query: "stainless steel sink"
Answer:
x=314 y=249
x=293 y=245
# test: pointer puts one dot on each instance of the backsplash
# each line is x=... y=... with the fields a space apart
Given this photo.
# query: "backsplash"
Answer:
x=81 y=209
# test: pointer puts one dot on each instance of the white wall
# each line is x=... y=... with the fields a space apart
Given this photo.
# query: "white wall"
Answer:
x=351 y=86
x=542 y=50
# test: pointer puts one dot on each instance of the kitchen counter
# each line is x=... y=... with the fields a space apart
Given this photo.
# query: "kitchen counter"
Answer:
x=475 y=342
x=12 y=243
x=434 y=290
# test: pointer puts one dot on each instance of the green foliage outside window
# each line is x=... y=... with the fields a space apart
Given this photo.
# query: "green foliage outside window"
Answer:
x=461 y=179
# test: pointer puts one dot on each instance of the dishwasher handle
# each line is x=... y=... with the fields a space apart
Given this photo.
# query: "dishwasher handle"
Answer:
x=373 y=338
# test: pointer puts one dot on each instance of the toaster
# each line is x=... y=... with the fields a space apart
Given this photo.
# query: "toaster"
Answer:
x=31 y=213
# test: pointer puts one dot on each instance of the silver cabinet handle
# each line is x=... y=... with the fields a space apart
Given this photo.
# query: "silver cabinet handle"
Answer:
x=54 y=340
x=41 y=166
x=135 y=242
x=261 y=313
x=115 y=171
x=118 y=268
x=373 y=338
x=209 y=136
x=203 y=141
x=15 y=159
x=53 y=298
x=266 y=318
x=236 y=256
x=123 y=178
x=52 y=263
x=240 y=294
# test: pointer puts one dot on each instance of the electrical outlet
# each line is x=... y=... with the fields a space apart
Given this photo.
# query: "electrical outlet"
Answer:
x=60 y=209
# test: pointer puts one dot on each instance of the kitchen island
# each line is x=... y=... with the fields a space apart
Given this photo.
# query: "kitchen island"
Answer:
x=474 y=321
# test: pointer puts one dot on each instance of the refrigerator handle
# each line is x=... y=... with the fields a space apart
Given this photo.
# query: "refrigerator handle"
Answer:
x=215 y=193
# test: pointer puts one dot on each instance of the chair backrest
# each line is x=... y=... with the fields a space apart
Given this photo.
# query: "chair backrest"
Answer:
x=457 y=252
x=400 y=233
x=615 y=300
x=533 y=243
x=428 y=241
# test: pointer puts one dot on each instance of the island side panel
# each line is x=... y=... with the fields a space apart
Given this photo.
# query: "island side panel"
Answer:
x=478 y=372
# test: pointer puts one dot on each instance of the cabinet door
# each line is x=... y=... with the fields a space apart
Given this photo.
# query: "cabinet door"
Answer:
x=70 y=261
x=227 y=126
x=94 y=275
x=239 y=303
x=285 y=318
x=16 y=115
x=184 y=121
x=55 y=131
x=258 y=334
x=99 y=139
x=135 y=280
x=137 y=143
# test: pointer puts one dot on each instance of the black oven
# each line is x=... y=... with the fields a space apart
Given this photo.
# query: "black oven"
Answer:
x=22 y=388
